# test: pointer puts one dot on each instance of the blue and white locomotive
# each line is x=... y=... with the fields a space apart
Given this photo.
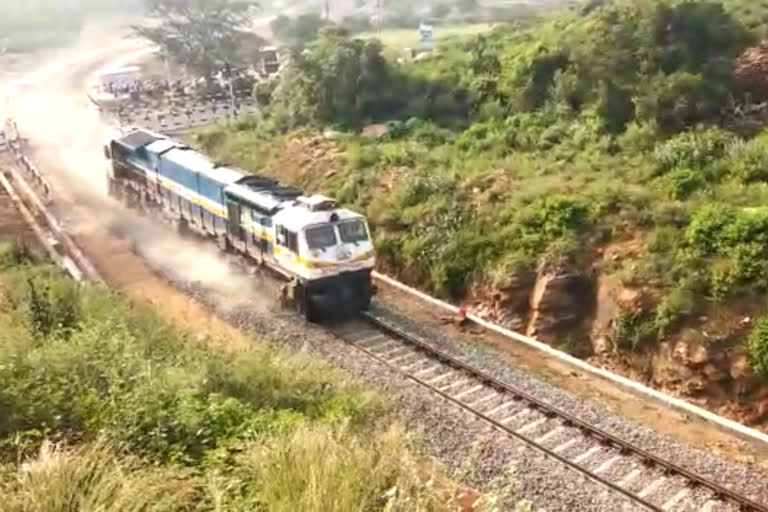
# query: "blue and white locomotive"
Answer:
x=323 y=251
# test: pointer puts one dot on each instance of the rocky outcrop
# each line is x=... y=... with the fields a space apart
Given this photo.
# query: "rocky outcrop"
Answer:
x=552 y=306
x=560 y=304
x=716 y=376
x=568 y=310
x=507 y=304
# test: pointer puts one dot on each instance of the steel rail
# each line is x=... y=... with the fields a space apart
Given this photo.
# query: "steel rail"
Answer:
x=590 y=431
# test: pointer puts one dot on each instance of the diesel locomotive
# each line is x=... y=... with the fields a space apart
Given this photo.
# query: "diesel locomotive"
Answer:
x=324 y=252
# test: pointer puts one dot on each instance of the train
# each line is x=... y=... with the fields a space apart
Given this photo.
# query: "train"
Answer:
x=324 y=252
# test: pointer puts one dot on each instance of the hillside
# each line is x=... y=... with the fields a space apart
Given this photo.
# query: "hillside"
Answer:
x=596 y=178
x=106 y=406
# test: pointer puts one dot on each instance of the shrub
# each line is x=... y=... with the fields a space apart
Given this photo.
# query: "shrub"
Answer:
x=361 y=156
x=708 y=225
x=397 y=154
x=465 y=253
x=682 y=182
x=639 y=136
x=396 y=129
x=634 y=330
x=696 y=148
x=757 y=346
x=555 y=216
x=422 y=187
x=663 y=239
x=14 y=255
x=678 y=304
x=481 y=137
x=429 y=134
x=357 y=475
x=749 y=161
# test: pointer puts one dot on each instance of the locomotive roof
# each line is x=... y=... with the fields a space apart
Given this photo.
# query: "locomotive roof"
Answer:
x=262 y=192
x=193 y=160
x=161 y=146
x=297 y=217
x=138 y=139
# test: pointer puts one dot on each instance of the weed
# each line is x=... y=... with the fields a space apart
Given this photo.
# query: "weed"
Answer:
x=757 y=345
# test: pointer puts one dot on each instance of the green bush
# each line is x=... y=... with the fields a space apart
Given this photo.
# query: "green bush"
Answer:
x=634 y=331
x=423 y=187
x=554 y=216
x=362 y=156
x=14 y=255
x=639 y=136
x=749 y=161
x=117 y=369
x=707 y=226
x=678 y=304
x=359 y=475
x=757 y=346
x=682 y=182
x=695 y=149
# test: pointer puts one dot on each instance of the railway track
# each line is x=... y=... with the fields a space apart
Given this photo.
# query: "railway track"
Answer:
x=642 y=477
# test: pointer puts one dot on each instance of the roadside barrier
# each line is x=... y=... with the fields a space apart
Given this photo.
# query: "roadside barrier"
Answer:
x=15 y=142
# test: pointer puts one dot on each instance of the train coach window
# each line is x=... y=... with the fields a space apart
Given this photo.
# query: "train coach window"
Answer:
x=321 y=237
x=353 y=231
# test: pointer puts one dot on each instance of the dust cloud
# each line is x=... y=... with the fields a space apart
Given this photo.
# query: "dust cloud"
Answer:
x=67 y=134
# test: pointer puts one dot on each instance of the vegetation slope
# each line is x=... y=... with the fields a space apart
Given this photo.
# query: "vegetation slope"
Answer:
x=104 y=406
x=622 y=140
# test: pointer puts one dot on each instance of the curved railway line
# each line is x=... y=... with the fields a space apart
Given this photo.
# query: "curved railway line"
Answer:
x=646 y=479
x=640 y=476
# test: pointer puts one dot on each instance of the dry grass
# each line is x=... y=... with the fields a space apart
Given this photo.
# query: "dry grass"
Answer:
x=94 y=478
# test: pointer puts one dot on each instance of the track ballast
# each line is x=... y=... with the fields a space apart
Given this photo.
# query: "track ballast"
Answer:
x=642 y=477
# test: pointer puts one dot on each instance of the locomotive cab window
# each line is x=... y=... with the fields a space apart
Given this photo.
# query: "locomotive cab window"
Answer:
x=353 y=231
x=321 y=237
x=287 y=239
x=292 y=241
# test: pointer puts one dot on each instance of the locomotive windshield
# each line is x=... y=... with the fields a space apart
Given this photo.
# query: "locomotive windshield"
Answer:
x=320 y=237
x=353 y=231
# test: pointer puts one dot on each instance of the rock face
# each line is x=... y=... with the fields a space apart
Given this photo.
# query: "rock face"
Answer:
x=560 y=301
x=551 y=306
x=568 y=310
x=507 y=304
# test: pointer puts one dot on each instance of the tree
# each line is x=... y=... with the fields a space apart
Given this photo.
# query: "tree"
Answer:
x=338 y=80
x=199 y=34
x=299 y=31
